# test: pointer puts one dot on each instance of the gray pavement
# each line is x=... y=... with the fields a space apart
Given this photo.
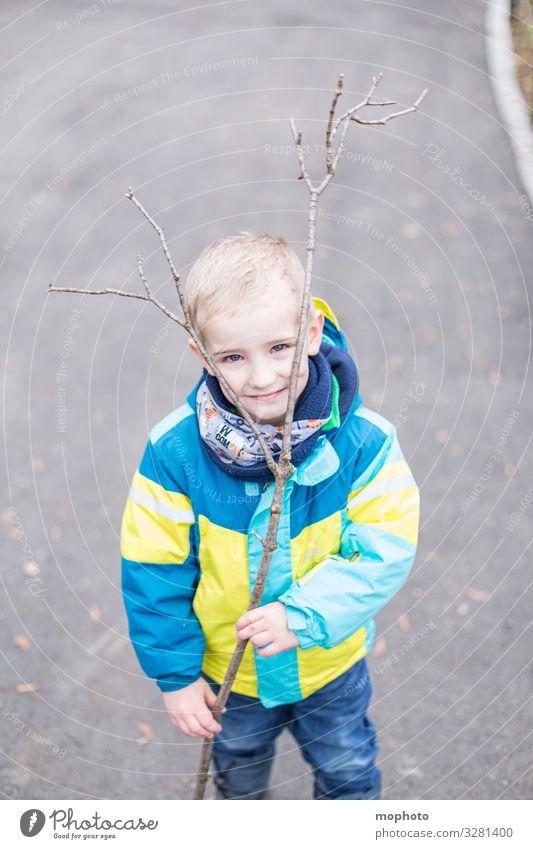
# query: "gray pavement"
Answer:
x=424 y=251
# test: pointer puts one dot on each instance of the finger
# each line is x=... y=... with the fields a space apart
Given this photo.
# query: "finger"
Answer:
x=262 y=638
x=208 y=721
x=249 y=617
x=270 y=650
x=182 y=728
x=210 y=697
x=197 y=729
x=248 y=631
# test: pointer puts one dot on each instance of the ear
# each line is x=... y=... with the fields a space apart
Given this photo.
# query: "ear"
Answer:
x=314 y=334
x=194 y=347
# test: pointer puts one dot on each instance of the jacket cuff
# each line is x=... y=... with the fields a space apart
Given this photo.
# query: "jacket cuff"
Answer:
x=170 y=685
x=298 y=622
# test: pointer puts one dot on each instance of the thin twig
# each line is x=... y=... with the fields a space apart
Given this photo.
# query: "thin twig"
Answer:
x=140 y=266
x=329 y=160
x=149 y=298
x=185 y=323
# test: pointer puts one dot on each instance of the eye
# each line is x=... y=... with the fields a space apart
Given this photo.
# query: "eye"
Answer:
x=228 y=358
x=281 y=345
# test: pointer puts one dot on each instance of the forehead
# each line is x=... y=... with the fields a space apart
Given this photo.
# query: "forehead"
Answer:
x=260 y=319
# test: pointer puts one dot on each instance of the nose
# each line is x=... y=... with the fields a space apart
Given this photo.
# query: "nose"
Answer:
x=262 y=380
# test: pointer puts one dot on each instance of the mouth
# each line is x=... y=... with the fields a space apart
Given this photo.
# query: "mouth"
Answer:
x=271 y=397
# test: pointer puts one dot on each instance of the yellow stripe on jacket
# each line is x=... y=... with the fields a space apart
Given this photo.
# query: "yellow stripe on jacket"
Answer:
x=155 y=523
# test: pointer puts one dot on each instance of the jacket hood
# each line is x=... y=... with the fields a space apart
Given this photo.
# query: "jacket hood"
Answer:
x=343 y=366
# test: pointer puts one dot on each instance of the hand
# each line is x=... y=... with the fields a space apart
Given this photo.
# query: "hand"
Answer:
x=189 y=710
x=267 y=624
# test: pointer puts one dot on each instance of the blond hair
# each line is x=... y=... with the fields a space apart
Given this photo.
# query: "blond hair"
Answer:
x=237 y=268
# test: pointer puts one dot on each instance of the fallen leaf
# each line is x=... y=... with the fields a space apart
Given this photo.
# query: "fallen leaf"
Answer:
x=27 y=688
x=455 y=450
x=395 y=360
x=476 y=595
x=8 y=515
x=495 y=376
x=22 y=642
x=404 y=623
x=38 y=464
x=147 y=732
x=95 y=611
x=410 y=231
x=29 y=567
x=450 y=227
x=380 y=647
x=430 y=333
x=441 y=436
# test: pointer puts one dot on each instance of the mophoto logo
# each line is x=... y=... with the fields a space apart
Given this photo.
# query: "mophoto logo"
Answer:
x=31 y=822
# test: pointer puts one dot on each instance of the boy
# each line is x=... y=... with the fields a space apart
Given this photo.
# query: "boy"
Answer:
x=346 y=540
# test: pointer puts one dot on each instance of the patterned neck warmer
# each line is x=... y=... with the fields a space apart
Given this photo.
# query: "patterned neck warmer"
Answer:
x=233 y=446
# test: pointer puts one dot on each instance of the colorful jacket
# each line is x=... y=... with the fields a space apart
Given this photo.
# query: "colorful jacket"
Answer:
x=346 y=541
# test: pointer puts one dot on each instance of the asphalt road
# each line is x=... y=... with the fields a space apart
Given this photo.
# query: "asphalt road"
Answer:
x=424 y=251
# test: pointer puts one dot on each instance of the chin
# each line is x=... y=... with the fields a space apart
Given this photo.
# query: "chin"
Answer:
x=274 y=420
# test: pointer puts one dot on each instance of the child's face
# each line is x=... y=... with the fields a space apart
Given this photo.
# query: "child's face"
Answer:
x=253 y=345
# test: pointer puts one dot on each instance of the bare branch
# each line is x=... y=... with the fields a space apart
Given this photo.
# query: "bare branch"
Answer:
x=123 y=294
x=329 y=161
x=299 y=153
x=392 y=115
x=350 y=114
x=187 y=324
x=140 y=266
x=277 y=502
x=160 y=233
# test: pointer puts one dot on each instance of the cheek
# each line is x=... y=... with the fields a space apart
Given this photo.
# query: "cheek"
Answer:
x=234 y=377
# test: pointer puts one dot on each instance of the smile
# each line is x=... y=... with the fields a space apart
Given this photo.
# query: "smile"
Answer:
x=267 y=397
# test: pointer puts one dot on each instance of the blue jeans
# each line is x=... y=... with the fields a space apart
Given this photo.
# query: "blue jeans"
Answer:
x=336 y=737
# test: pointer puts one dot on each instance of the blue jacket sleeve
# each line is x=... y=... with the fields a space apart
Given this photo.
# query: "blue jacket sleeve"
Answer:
x=160 y=572
x=343 y=592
